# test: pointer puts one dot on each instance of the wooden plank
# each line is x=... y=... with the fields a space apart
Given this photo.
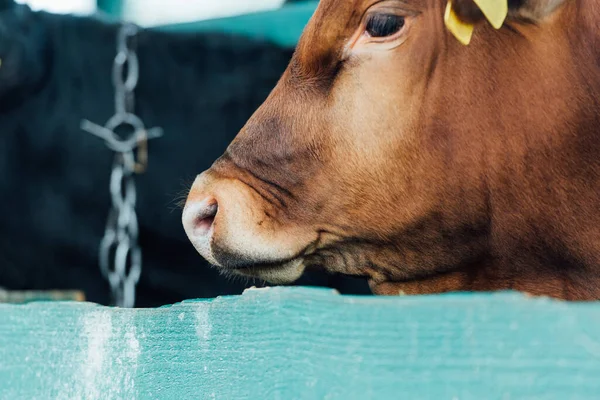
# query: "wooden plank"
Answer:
x=300 y=343
x=25 y=296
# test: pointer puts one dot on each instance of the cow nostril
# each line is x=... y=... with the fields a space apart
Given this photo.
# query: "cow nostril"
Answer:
x=204 y=217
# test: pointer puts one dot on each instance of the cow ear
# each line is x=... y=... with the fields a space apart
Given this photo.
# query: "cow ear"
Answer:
x=462 y=15
x=466 y=10
x=474 y=11
x=533 y=10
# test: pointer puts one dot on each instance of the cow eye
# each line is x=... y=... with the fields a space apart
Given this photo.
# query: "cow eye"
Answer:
x=384 y=25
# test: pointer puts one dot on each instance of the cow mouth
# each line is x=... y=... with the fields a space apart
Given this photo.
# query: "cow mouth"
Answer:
x=274 y=273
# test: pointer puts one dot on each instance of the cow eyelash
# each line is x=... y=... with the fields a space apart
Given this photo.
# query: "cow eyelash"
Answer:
x=383 y=25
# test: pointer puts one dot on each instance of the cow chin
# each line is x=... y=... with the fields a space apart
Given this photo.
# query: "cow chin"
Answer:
x=275 y=274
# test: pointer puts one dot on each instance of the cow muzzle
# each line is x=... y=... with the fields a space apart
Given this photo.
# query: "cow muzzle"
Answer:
x=226 y=222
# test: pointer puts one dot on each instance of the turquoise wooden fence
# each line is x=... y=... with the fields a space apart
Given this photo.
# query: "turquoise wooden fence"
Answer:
x=300 y=343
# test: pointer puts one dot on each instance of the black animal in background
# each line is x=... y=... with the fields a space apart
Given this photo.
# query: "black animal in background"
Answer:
x=56 y=71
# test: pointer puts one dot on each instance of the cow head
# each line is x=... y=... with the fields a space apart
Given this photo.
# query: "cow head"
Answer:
x=373 y=155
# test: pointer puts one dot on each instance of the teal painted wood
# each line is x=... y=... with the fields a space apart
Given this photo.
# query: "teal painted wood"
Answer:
x=283 y=26
x=285 y=343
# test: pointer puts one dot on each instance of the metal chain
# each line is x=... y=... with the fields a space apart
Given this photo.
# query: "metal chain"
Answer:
x=120 y=255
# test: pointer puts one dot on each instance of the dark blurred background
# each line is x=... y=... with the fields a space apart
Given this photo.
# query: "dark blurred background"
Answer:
x=204 y=67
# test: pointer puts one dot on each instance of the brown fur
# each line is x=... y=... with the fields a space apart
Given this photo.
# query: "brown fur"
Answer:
x=431 y=166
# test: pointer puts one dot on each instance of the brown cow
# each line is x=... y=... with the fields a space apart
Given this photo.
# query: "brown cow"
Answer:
x=390 y=150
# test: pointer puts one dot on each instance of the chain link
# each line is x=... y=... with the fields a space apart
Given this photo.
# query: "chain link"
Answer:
x=120 y=256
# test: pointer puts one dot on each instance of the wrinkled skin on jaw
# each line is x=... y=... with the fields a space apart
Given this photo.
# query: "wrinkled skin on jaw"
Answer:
x=429 y=166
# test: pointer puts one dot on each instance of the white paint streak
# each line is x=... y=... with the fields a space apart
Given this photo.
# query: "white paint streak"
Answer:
x=107 y=362
x=203 y=325
x=97 y=328
x=132 y=354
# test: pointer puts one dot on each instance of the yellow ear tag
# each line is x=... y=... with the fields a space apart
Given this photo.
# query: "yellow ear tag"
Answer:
x=494 y=10
x=458 y=28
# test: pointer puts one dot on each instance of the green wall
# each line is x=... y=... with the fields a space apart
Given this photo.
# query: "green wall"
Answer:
x=283 y=26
